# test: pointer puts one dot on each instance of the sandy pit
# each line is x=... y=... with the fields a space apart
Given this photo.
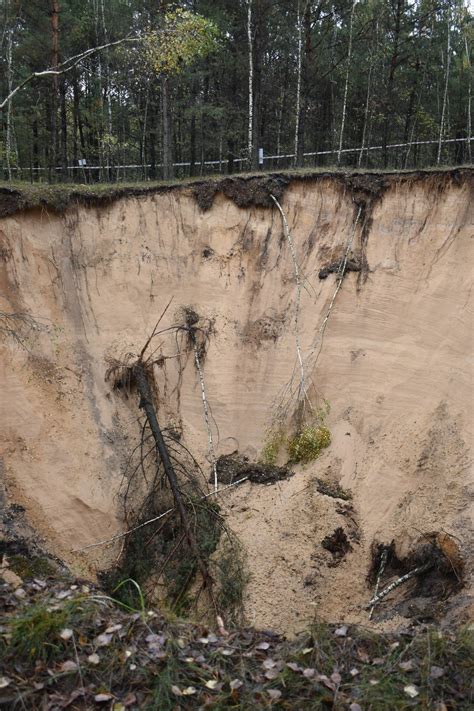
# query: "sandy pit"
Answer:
x=394 y=366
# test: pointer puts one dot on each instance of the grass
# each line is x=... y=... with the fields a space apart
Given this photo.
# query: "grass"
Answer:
x=145 y=661
x=17 y=196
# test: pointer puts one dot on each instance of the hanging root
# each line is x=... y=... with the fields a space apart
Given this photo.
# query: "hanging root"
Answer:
x=20 y=326
x=302 y=392
x=198 y=338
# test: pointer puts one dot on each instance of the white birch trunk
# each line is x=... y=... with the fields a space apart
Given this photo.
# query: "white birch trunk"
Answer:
x=298 y=83
x=250 y=42
x=8 y=141
x=366 y=115
x=469 y=123
x=445 y=94
x=346 y=85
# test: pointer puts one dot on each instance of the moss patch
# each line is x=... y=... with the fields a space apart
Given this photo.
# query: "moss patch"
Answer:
x=306 y=446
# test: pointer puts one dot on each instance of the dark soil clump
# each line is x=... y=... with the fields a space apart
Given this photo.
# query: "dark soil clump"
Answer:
x=230 y=469
x=244 y=192
x=338 y=544
x=352 y=265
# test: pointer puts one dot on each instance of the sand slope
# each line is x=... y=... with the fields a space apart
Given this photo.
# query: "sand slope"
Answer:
x=394 y=366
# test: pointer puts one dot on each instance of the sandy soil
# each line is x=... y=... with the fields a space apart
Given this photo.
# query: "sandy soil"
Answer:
x=394 y=366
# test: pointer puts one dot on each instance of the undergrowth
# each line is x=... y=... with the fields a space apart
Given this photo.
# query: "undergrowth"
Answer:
x=69 y=646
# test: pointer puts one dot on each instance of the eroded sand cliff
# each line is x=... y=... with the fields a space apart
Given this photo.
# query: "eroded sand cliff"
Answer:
x=394 y=366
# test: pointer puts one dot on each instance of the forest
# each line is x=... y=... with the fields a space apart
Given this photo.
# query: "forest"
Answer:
x=120 y=90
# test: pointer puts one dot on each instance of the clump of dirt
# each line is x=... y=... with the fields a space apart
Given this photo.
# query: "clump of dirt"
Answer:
x=335 y=490
x=338 y=544
x=265 y=328
x=231 y=468
x=352 y=265
x=441 y=574
x=244 y=192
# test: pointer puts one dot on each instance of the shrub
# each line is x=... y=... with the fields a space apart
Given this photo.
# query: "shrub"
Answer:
x=308 y=443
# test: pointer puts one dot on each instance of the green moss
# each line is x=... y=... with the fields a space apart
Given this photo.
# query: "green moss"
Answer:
x=232 y=579
x=31 y=566
x=308 y=443
x=273 y=443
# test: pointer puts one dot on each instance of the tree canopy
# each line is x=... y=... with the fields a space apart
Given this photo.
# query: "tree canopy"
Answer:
x=205 y=83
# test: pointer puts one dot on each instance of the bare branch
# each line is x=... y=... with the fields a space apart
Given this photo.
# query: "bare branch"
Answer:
x=66 y=66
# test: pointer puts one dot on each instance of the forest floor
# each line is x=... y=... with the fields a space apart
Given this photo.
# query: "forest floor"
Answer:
x=65 y=644
x=17 y=196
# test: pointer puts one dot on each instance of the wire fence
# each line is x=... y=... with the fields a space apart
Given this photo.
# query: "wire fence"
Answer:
x=398 y=156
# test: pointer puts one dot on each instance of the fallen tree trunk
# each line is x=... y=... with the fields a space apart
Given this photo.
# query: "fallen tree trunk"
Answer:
x=146 y=403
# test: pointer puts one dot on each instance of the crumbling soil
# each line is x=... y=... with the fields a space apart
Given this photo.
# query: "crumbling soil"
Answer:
x=338 y=544
x=231 y=468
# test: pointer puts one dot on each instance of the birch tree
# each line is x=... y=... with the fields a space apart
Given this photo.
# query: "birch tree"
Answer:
x=250 y=148
x=446 y=82
x=299 y=27
x=346 y=83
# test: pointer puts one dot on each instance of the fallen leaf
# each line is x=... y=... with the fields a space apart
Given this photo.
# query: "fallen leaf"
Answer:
x=436 y=672
x=68 y=665
x=62 y=594
x=374 y=682
x=93 y=658
x=176 y=691
x=354 y=672
x=411 y=691
x=309 y=673
x=407 y=666
x=4 y=681
x=378 y=661
x=66 y=634
x=235 y=684
x=100 y=698
x=308 y=650
x=274 y=694
x=268 y=663
x=341 y=631
x=113 y=628
x=103 y=639
x=227 y=652
x=212 y=683
x=262 y=645
x=271 y=674
x=188 y=691
x=336 y=678
x=355 y=707
x=293 y=666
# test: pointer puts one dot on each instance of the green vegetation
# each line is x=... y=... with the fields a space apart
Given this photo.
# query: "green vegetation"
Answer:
x=74 y=648
x=274 y=441
x=31 y=566
x=385 y=72
x=232 y=577
x=308 y=443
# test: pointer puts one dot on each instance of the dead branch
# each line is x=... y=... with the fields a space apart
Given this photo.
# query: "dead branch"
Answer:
x=19 y=325
x=67 y=65
x=396 y=583
x=119 y=536
x=383 y=563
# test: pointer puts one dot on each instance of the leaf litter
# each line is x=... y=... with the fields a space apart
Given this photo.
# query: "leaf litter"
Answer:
x=75 y=647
